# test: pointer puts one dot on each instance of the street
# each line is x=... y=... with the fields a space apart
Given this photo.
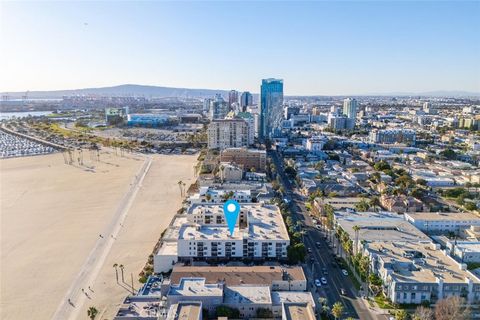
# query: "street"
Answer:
x=324 y=264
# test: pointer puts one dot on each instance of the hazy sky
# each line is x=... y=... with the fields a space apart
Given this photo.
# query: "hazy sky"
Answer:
x=316 y=47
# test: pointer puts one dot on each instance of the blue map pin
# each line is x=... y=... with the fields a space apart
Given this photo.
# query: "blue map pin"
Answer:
x=231 y=209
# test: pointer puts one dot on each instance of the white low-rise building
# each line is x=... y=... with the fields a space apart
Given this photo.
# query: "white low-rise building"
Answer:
x=442 y=222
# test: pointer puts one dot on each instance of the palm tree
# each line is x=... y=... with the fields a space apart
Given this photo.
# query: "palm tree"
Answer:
x=116 y=270
x=356 y=229
x=337 y=310
x=180 y=183
x=121 y=269
x=92 y=312
x=374 y=202
x=221 y=172
x=183 y=186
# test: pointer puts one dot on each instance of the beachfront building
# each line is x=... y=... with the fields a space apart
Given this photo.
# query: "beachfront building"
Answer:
x=202 y=234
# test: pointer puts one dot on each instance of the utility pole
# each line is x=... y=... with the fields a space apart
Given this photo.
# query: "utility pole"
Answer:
x=133 y=289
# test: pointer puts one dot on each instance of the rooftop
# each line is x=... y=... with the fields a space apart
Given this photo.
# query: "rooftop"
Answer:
x=185 y=311
x=464 y=216
x=298 y=311
x=379 y=226
x=237 y=275
x=195 y=287
x=247 y=295
x=420 y=262
x=264 y=222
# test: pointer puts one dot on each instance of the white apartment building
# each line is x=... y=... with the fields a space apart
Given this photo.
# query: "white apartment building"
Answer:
x=315 y=144
x=228 y=133
x=260 y=233
x=442 y=222
x=414 y=272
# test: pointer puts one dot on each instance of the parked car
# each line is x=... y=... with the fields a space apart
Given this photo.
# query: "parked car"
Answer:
x=318 y=283
x=345 y=272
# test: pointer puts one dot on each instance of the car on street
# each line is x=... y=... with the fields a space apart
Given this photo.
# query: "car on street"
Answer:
x=312 y=259
x=345 y=272
x=323 y=280
x=309 y=250
x=318 y=283
x=324 y=270
x=343 y=292
x=318 y=244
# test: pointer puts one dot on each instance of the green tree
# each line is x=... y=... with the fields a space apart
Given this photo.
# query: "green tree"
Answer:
x=374 y=202
x=381 y=166
x=362 y=206
x=296 y=253
x=337 y=310
x=92 y=313
x=470 y=206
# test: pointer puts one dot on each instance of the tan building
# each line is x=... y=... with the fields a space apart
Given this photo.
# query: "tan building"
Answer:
x=246 y=158
x=276 y=277
x=228 y=133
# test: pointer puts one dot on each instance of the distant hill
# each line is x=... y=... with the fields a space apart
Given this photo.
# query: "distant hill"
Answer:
x=121 y=90
x=167 y=92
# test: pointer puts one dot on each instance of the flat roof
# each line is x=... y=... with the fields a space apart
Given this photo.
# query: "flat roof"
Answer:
x=265 y=222
x=298 y=311
x=279 y=297
x=238 y=275
x=420 y=262
x=437 y=216
x=195 y=287
x=185 y=311
x=379 y=226
x=247 y=295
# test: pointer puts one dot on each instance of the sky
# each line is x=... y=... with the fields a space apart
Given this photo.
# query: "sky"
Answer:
x=317 y=47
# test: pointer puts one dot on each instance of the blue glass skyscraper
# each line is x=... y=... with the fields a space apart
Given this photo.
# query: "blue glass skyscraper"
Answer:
x=271 y=108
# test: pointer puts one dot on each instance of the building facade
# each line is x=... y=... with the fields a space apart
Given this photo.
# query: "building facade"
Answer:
x=350 y=108
x=271 y=108
x=246 y=99
x=247 y=158
x=228 y=133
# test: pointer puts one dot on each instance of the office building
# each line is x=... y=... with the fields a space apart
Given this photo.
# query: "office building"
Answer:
x=218 y=108
x=232 y=98
x=228 y=133
x=350 y=108
x=392 y=136
x=246 y=99
x=315 y=144
x=271 y=108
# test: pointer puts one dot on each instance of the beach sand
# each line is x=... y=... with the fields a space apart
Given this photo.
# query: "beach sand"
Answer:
x=52 y=215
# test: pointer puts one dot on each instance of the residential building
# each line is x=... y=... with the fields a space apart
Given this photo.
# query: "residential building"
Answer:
x=218 y=108
x=414 y=272
x=228 y=133
x=465 y=251
x=340 y=122
x=271 y=108
x=278 y=278
x=350 y=108
x=230 y=172
x=391 y=136
x=246 y=158
x=290 y=111
x=442 y=222
x=232 y=98
x=315 y=144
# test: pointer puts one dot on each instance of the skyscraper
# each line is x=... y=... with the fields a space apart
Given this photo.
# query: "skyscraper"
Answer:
x=218 y=108
x=246 y=99
x=350 y=108
x=232 y=98
x=271 y=107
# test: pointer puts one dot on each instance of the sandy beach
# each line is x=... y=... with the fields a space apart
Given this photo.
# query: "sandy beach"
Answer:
x=51 y=218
